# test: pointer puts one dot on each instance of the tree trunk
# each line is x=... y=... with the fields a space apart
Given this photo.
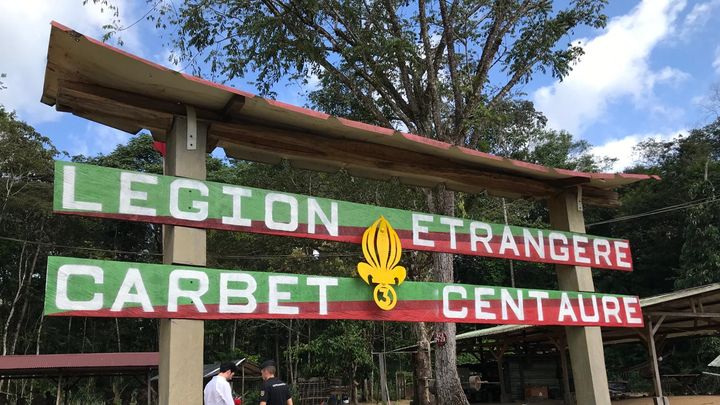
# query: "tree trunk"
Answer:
x=447 y=381
x=39 y=334
x=16 y=299
x=421 y=366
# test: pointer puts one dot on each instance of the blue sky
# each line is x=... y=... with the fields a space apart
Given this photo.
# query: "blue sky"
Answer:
x=647 y=74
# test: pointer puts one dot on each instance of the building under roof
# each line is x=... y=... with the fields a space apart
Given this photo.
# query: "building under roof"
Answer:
x=692 y=312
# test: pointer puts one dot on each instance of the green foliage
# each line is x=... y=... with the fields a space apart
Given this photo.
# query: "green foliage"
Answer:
x=137 y=155
x=427 y=66
x=673 y=249
x=341 y=349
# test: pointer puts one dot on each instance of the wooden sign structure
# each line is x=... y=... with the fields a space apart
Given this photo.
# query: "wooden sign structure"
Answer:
x=142 y=290
x=97 y=288
x=88 y=190
x=93 y=80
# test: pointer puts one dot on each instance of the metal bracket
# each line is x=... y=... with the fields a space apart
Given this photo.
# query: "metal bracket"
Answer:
x=579 y=198
x=191 y=128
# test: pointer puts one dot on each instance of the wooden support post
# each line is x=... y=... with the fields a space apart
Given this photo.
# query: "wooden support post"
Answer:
x=659 y=399
x=498 y=354
x=181 y=340
x=385 y=394
x=585 y=344
x=561 y=346
x=58 y=396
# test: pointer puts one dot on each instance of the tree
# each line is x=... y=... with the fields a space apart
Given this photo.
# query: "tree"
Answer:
x=433 y=68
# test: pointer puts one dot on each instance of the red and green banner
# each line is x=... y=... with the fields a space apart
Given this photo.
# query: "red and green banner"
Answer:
x=111 y=193
x=96 y=288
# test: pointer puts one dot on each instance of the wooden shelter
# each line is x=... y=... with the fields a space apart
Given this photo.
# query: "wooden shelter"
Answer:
x=67 y=369
x=98 y=82
x=692 y=312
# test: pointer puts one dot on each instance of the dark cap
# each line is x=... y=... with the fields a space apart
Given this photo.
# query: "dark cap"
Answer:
x=266 y=364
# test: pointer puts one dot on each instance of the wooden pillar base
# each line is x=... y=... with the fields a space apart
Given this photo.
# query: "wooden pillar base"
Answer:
x=181 y=369
x=661 y=401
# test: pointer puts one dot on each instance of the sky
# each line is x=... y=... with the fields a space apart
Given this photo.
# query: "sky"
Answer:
x=647 y=74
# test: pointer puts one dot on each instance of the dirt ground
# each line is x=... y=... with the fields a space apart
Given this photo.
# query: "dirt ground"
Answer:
x=689 y=400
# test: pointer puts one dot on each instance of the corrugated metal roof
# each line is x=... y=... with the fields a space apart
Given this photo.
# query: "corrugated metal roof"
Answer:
x=107 y=85
x=80 y=360
x=78 y=363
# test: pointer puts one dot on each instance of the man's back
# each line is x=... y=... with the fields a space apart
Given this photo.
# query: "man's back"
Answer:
x=275 y=392
x=218 y=392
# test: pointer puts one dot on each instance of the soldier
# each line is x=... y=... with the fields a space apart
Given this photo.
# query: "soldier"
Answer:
x=274 y=391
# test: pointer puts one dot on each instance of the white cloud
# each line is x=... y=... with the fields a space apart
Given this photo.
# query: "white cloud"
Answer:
x=96 y=139
x=25 y=29
x=697 y=17
x=623 y=148
x=716 y=62
x=615 y=65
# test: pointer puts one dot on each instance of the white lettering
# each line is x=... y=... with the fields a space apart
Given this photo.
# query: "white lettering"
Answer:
x=270 y=200
x=621 y=253
x=480 y=303
x=566 y=309
x=274 y=295
x=237 y=194
x=175 y=291
x=506 y=300
x=247 y=293
x=614 y=311
x=537 y=244
x=508 y=242
x=62 y=301
x=563 y=256
x=452 y=313
x=68 y=196
x=127 y=195
x=604 y=252
x=453 y=223
x=314 y=211
x=475 y=238
x=133 y=279
x=579 y=252
x=418 y=229
x=322 y=283
x=630 y=311
x=201 y=207
x=539 y=296
x=583 y=315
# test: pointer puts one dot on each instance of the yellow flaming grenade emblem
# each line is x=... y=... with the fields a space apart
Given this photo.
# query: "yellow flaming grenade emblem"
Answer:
x=381 y=248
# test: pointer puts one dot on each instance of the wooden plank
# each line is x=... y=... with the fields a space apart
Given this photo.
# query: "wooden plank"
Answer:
x=247 y=138
x=90 y=105
x=690 y=315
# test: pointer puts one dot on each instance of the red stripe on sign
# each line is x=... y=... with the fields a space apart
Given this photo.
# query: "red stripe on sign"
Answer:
x=441 y=241
x=405 y=311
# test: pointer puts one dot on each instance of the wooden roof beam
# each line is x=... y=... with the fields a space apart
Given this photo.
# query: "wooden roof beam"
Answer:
x=247 y=140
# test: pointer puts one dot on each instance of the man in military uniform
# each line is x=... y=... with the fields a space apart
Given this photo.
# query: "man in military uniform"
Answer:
x=274 y=391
